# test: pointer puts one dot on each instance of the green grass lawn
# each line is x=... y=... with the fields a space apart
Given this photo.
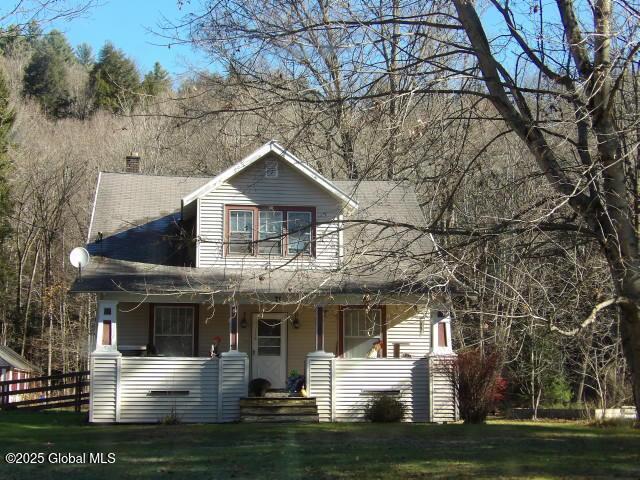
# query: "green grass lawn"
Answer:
x=321 y=451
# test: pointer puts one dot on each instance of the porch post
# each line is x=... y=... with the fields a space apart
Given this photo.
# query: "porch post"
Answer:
x=319 y=328
x=107 y=331
x=233 y=326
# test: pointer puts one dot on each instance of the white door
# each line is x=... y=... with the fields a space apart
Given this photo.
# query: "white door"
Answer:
x=269 y=356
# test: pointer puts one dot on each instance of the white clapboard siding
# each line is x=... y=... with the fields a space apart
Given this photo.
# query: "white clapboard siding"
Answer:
x=412 y=332
x=354 y=377
x=233 y=384
x=443 y=404
x=141 y=375
x=319 y=371
x=103 y=396
x=250 y=187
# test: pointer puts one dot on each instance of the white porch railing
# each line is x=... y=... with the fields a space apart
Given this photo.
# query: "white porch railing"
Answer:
x=344 y=387
x=150 y=389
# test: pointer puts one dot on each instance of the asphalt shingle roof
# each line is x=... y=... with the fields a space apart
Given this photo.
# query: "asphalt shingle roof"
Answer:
x=137 y=217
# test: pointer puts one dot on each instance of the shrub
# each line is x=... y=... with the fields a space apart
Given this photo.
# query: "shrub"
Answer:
x=172 y=418
x=478 y=385
x=385 y=408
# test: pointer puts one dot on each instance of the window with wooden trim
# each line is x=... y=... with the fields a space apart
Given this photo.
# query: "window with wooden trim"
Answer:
x=299 y=233
x=362 y=328
x=240 y=231
x=174 y=330
x=270 y=231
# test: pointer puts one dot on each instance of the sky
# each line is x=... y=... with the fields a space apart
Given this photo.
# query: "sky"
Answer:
x=127 y=24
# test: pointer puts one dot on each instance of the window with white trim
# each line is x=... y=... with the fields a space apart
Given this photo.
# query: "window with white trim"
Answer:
x=362 y=329
x=174 y=327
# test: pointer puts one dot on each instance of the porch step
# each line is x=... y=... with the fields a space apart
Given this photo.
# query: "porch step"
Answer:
x=279 y=418
x=278 y=402
x=276 y=393
x=278 y=409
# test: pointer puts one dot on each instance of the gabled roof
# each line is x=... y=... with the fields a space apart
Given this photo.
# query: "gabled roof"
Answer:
x=137 y=214
x=277 y=149
x=16 y=360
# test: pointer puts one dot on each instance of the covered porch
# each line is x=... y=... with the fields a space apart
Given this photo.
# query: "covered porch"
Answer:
x=196 y=358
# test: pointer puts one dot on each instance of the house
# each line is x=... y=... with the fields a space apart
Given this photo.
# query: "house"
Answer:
x=14 y=366
x=274 y=267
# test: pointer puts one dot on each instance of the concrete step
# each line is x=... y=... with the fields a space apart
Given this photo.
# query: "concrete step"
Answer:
x=280 y=418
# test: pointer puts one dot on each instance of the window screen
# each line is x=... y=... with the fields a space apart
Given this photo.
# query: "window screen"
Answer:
x=270 y=232
x=299 y=238
x=241 y=231
x=362 y=328
x=174 y=331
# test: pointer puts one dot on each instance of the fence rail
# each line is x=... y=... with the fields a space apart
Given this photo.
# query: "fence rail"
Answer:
x=55 y=391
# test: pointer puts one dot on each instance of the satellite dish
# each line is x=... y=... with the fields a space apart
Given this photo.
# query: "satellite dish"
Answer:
x=79 y=258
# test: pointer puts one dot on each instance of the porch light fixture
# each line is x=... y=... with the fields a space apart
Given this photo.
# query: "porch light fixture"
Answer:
x=296 y=322
x=243 y=322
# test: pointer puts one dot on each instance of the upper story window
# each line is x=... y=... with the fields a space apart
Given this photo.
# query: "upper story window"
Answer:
x=270 y=231
x=240 y=231
x=270 y=234
x=299 y=228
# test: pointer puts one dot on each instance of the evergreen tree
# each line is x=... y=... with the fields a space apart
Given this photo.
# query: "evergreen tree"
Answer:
x=11 y=40
x=57 y=42
x=84 y=55
x=115 y=81
x=46 y=75
x=157 y=81
x=34 y=33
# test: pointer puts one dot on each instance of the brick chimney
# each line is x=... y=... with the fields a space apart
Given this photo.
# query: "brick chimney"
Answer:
x=133 y=163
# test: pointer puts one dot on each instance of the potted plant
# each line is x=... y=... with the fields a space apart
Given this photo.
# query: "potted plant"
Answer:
x=214 y=346
x=295 y=382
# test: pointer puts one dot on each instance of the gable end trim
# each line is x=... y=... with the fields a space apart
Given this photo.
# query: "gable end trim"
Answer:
x=285 y=155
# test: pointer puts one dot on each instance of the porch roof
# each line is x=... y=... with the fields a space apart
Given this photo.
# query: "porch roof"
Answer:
x=108 y=275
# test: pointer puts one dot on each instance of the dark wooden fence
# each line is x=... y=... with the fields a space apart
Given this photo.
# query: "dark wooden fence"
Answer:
x=53 y=391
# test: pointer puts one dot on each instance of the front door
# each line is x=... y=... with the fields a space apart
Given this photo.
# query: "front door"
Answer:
x=269 y=356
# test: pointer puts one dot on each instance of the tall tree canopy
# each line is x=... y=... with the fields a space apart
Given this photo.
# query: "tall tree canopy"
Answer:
x=7 y=118
x=156 y=81
x=115 y=81
x=46 y=75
